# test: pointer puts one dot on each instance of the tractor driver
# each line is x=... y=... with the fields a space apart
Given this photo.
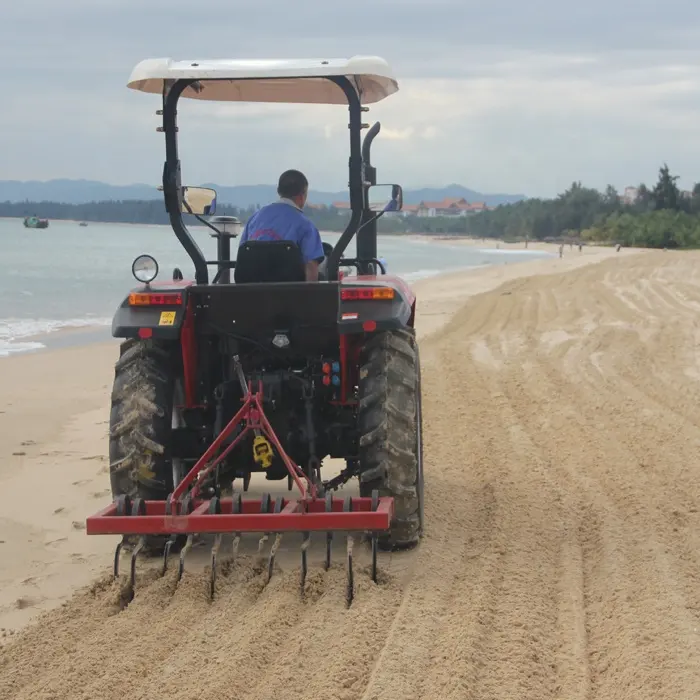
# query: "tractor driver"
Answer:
x=285 y=220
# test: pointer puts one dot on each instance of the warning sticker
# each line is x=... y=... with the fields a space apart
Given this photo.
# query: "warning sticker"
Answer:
x=167 y=318
x=350 y=317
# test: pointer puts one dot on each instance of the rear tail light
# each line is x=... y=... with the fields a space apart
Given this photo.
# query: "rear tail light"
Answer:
x=367 y=293
x=150 y=299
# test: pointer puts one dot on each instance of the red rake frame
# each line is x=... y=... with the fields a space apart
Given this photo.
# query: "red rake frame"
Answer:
x=184 y=513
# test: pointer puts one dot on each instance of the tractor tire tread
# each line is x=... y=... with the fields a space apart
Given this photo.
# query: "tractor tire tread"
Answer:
x=388 y=430
x=140 y=422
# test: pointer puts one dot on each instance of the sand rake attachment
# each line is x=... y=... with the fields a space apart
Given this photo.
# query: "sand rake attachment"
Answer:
x=184 y=513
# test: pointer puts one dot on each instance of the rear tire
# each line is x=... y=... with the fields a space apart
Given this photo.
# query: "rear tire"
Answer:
x=390 y=427
x=140 y=463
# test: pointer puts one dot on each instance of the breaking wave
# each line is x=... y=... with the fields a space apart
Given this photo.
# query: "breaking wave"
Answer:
x=19 y=335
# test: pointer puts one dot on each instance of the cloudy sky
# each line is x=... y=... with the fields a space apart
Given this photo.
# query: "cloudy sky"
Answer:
x=500 y=96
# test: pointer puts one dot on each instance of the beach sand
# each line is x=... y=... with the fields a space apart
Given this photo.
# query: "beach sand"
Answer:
x=561 y=557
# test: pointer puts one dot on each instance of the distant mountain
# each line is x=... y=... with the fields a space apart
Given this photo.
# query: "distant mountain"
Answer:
x=72 y=191
x=437 y=194
x=84 y=191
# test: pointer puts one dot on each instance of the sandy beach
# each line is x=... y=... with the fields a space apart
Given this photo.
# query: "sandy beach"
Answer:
x=561 y=557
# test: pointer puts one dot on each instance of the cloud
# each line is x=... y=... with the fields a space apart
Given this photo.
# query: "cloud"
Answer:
x=501 y=96
x=398 y=134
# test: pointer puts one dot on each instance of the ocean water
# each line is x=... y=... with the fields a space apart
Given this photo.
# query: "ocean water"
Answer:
x=68 y=276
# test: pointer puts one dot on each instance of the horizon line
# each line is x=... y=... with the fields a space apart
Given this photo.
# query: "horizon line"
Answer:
x=259 y=184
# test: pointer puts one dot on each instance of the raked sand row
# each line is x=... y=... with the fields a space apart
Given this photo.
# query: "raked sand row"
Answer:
x=561 y=560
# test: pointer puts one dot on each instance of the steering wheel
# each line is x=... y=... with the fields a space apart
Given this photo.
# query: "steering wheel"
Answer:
x=327 y=250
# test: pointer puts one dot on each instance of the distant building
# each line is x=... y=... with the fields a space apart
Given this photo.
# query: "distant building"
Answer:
x=454 y=206
x=341 y=206
x=630 y=195
x=450 y=206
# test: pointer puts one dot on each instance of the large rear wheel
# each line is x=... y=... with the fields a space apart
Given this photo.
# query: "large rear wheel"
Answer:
x=141 y=420
x=390 y=426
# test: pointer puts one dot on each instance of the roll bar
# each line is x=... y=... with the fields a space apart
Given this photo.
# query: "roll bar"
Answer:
x=367 y=233
x=172 y=181
x=356 y=180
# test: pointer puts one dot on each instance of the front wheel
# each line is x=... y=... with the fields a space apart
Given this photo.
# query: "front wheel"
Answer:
x=390 y=429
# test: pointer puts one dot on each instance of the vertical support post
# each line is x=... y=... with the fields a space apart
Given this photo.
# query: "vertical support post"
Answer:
x=356 y=174
x=367 y=233
x=172 y=183
x=223 y=253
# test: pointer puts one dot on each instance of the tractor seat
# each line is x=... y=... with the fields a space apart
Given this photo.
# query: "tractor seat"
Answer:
x=269 y=261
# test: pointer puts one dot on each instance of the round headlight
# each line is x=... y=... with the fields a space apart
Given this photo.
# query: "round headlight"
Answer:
x=144 y=269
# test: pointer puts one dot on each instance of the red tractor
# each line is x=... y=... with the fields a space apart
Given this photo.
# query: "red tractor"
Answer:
x=220 y=378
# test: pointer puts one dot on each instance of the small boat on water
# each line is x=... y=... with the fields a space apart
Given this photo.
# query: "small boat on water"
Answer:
x=83 y=223
x=35 y=222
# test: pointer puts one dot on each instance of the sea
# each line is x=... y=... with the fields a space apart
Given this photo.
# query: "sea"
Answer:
x=72 y=278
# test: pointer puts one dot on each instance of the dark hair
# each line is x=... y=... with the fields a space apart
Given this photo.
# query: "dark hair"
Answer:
x=291 y=184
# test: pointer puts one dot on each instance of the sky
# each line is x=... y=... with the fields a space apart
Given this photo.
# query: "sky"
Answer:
x=502 y=96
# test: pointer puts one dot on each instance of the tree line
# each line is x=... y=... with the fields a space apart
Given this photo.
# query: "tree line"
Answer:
x=150 y=212
x=659 y=217
x=128 y=211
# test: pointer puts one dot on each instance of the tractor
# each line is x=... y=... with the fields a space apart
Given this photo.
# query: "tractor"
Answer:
x=248 y=368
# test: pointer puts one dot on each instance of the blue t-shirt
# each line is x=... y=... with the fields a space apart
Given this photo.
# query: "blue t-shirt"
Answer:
x=280 y=221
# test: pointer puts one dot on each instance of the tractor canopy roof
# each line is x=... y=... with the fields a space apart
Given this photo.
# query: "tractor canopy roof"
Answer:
x=304 y=81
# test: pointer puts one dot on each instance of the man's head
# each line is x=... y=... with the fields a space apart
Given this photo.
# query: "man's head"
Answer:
x=293 y=185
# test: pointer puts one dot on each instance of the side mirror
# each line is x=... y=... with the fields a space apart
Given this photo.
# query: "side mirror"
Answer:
x=198 y=200
x=385 y=198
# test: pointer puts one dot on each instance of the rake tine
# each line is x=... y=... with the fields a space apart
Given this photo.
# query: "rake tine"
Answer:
x=273 y=551
x=166 y=553
x=349 y=592
x=264 y=508
x=278 y=538
x=329 y=534
x=304 y=548
x=375 y=538
x=183 y=554
x=236 y=509
x=374 y=557
x=117 y=554
x=214 y=553
x=134 y=554
x=329 y=545
x=123 y=504
x=214 y=509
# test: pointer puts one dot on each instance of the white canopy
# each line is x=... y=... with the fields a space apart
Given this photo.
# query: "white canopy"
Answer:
x=269 y=80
